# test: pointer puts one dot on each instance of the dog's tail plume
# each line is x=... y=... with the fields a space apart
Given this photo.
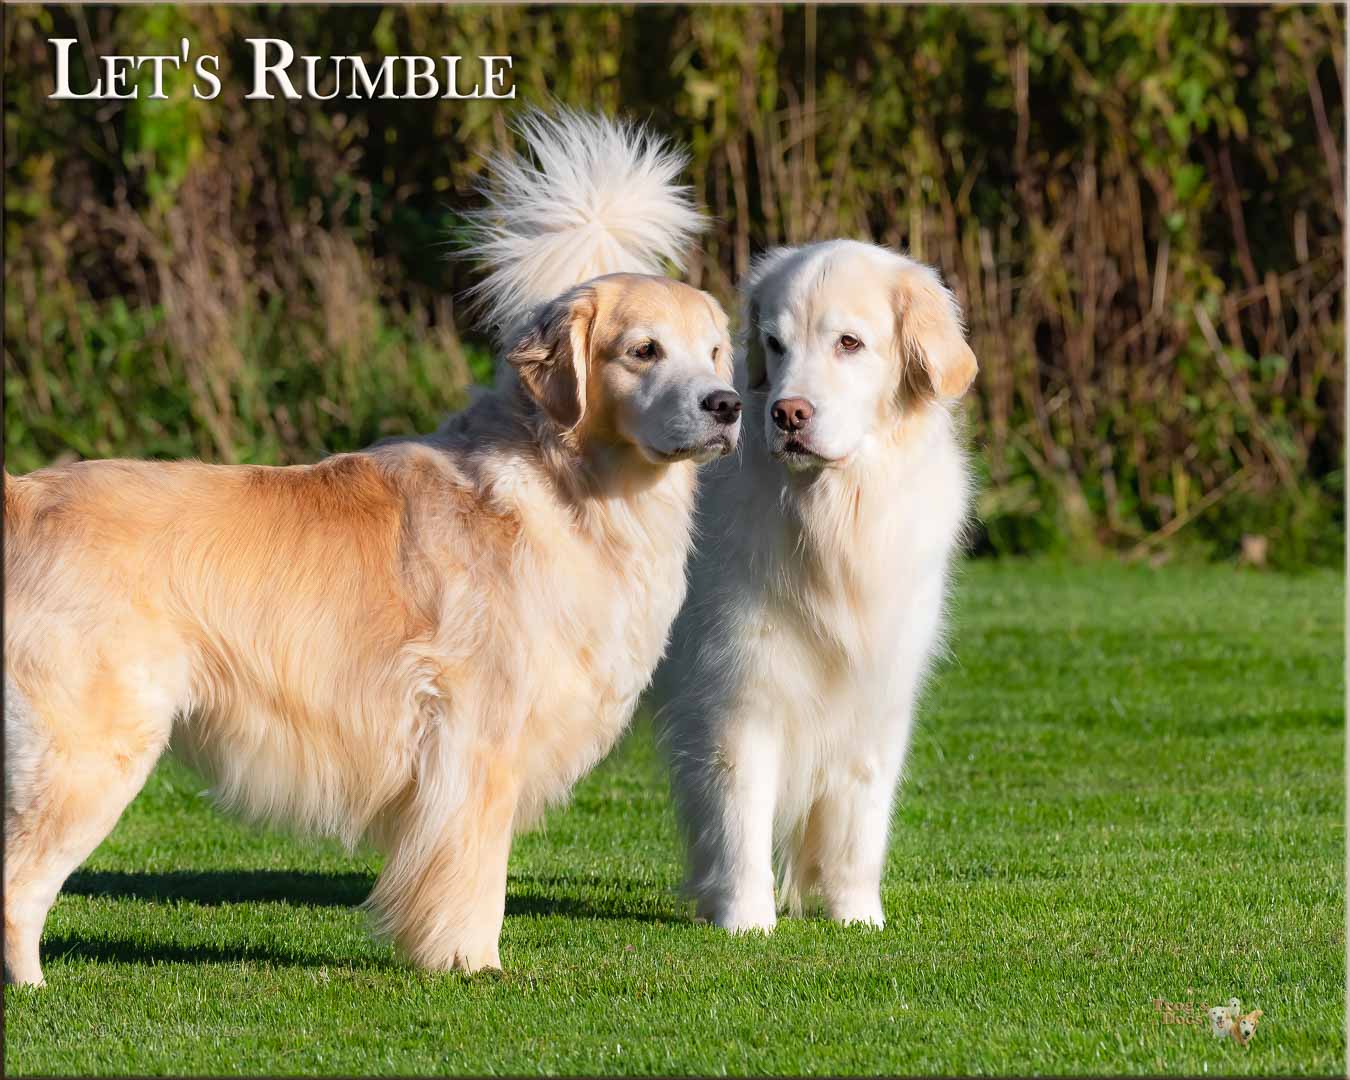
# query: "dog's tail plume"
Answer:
x=591 y=196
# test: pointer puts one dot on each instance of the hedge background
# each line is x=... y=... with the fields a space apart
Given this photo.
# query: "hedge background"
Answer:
x=1141 y=209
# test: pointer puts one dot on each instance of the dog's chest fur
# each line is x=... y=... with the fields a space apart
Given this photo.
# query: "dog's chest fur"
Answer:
x=593 y=591
x=862 y=561
x=840 y=574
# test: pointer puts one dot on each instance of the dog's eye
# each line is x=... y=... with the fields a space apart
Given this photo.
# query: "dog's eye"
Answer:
x=849 y=343
x=716 y=349
x=646 y=351
x=774 y=344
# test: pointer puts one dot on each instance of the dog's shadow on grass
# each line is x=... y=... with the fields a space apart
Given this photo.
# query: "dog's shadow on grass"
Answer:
x=527 y=894
x=541 y=897
x=210 y=888
x=624 y=901
x=121 y=951
x=214 y=887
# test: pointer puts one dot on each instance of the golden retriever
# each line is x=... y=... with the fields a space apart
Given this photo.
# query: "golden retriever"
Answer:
x=422 y=644
x=816 y=601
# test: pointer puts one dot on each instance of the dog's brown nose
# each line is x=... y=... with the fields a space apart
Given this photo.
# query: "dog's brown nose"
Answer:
x=723 y=404
x=792 y=413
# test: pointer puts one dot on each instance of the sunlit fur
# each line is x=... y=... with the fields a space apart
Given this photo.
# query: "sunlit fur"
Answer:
x=422 y=644
x=594 y=197
x=1245 y=1027
x=816 y=596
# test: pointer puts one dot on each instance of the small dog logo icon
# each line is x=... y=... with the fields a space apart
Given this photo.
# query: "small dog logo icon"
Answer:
x=1246 y=1027
x=1228 y=1022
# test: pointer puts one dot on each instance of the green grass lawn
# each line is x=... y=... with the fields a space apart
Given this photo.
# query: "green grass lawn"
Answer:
x=1126 y=785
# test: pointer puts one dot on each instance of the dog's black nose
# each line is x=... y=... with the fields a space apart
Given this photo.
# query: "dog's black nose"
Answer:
x=723 y=404
x=792 y=413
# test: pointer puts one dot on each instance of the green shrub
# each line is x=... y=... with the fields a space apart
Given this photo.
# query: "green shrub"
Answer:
x=1140 y=208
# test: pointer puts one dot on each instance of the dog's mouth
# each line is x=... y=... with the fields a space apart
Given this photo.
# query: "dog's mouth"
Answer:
x=713 y=448
x=795 y=454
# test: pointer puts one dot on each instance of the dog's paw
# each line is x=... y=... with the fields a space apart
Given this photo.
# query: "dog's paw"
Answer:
x=473 y=962
x=465 y=952
x=746 y=917
x=735 y=924
x=867 y=921
x=29 y=975
x=858 y=911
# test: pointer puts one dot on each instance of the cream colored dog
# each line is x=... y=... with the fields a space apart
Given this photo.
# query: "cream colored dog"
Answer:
x=816 y=599
x=422 y=644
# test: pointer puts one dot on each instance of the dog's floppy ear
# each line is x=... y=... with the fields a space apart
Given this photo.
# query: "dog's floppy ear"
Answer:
x=756 y=370
x=550 y=357
x=756 y=367
x=930 y=332
x=724 y=364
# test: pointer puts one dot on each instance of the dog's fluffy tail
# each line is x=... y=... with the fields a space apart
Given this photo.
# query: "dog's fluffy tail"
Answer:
x=591 y=196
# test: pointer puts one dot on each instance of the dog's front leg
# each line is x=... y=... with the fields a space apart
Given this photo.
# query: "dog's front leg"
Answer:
x=729 y=806
x=846 y=836
x=442 y=894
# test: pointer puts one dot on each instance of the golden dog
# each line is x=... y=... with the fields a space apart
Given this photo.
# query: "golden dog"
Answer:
x=421 y=644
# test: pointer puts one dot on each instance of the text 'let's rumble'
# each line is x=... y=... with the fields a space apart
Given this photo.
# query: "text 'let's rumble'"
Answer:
x=277 y=72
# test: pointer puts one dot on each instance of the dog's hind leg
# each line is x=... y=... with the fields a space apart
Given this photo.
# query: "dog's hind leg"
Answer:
x=73 y=763
x=442 y=893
